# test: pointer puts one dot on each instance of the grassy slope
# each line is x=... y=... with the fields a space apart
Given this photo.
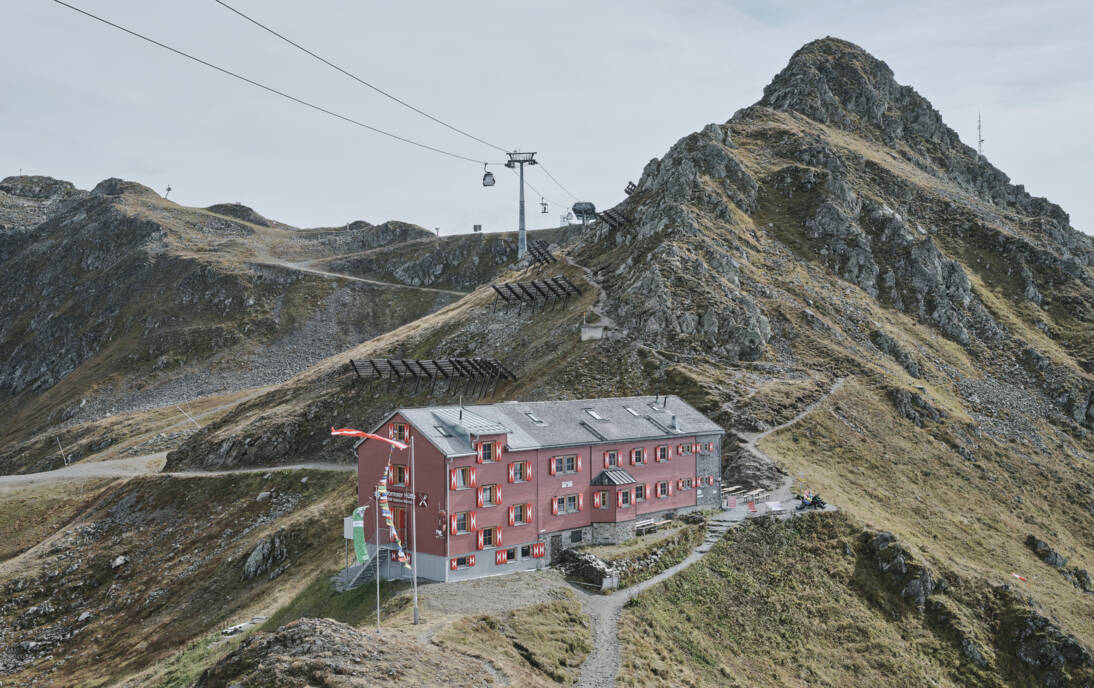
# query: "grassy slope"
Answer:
x=186 y=540
x=541 y=645
x=803 y=603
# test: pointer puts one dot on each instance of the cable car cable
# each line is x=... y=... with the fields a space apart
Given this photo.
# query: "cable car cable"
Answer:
x=273 y=90
x=535 y=190
x=357 y=78
x=549 y=175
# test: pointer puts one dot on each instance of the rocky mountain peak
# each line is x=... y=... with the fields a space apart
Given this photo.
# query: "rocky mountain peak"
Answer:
x=118 y=187
x=836 y=82
x=37 y=187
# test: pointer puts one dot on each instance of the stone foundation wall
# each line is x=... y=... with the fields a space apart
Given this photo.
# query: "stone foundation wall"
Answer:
x=612 y=533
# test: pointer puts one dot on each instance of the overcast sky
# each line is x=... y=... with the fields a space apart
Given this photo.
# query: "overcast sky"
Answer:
x=596 y=88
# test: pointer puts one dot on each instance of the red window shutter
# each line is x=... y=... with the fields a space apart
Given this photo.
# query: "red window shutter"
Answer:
x=710 y=446
x=554 y=506
x=391 y=431
x=478 y=452
x=512 y=515
x=606 y=464
x=452 y=479
x=551 y=467
x=481 y=539
x=497 y=451
x=527 y=513
x=538 y=549
x=453 y=565
x=649 y=491
x=470 y=559
x=710 y=481
x=596 y=500
x=497 y=495
x=527 y=470
x=696 y=448
x=668 y=451
x=454 y=522
x=497 y=537
x=619 y=498
x=579 y=463
x=512 y=473
x=634 y=457
x=501 y=556
x=474 y=476
x=479 y=497
x=580 y=502
x=472 y=520
x=670 y=488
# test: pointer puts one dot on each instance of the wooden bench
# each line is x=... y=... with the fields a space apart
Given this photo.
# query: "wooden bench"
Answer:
x=648 y=525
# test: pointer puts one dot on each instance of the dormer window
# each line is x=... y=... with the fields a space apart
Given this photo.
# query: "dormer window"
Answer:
x=594 y=414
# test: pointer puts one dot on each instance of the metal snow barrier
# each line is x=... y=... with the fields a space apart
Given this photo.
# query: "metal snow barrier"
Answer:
x=472 y=376
x=534 y=293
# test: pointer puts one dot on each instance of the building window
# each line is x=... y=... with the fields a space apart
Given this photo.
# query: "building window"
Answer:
x=400 y=431
x=532 y=417
x=399 y=475
x=594 y=415
x=520 y=471
x=490 y=495
x=463 y=478
x=685 y=449
x=488 y=536
x=640 y=455
x=602 y=499
x=565 y=464
x=575 y=536
x=398 y=518
x=567 y=504
x=511 y=554
x=461 y=561
x=687 y=483
x=625 y=498
x=640 y=493
x=520 y=514
x=663 y=489
x=631 y=411
x=662 y=452
x=612 y=458
x=525 y=551
x=488 y=453
x=463 y=522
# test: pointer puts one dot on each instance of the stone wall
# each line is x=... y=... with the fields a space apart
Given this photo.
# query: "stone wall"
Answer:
x=612 y=533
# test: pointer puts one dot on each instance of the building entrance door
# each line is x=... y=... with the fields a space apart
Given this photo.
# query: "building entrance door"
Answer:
x=556 y=548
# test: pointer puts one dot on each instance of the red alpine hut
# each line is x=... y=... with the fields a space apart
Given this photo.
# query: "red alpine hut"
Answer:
x=505 y=487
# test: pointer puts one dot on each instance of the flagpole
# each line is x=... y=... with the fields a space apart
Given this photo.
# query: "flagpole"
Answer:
x=414 y=527
x=376 y=497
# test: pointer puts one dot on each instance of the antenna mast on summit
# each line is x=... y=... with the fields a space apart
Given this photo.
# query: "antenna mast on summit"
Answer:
x=979 y=137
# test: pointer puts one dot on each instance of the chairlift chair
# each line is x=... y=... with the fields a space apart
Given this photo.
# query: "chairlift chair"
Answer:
x=542 y=205
x=487 y=176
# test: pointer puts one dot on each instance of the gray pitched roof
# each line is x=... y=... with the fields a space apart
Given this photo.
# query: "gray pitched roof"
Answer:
x=549 y=424
x=613 y=476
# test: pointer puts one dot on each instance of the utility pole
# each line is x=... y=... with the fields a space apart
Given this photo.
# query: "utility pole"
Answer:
x=414 y=527
x=376 y=503
x=521 y=159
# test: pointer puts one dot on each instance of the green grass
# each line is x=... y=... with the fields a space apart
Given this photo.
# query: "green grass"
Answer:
x=319 y=599
x=779 y=603
x=185 y=667
x=541 y=645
